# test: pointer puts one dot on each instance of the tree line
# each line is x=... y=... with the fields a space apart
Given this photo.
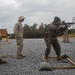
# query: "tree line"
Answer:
x=36 y=32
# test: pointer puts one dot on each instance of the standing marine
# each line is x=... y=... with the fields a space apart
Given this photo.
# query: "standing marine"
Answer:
x=55 y=29
x=18 y=31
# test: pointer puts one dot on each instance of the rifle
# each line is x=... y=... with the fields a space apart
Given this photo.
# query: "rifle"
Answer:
x=68 y=24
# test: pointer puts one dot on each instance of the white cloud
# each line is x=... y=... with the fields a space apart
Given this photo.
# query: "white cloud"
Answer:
x=35 y=11
x=13 y=3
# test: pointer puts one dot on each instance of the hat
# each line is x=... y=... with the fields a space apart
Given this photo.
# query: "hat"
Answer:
x=21 y=17
x=56 y=19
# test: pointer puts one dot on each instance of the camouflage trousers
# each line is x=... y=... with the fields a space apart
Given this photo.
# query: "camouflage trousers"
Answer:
x=0 y=53
x=54 y=42
x=0 y=56
x=19 y=42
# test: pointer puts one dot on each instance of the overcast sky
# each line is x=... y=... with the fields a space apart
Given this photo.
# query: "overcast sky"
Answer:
x=35 y=11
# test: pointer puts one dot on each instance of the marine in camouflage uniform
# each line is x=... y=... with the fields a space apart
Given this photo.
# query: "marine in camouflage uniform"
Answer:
x=65 y=36
x=51 y=38
x=2 y=61
x=18 y=31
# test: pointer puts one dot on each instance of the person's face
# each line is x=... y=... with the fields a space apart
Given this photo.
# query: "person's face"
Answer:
x=57 y=23
x=22 y=20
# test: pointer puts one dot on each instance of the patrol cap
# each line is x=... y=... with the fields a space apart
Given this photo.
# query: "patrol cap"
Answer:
x=21 y=17
x=56 y=19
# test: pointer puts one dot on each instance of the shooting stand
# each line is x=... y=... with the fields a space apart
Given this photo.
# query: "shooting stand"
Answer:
x=64 y=67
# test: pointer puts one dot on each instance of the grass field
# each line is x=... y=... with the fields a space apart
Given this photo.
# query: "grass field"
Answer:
x=70 y=35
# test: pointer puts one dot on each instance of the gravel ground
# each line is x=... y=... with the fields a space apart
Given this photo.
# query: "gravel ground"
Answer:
x=34 y=50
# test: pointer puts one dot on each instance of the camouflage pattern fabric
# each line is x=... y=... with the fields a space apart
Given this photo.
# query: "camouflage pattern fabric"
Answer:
x=51 y=39
x=18 y=31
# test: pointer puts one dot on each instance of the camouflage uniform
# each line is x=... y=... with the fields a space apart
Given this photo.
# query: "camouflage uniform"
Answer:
x=65 y=36
x=2 y=61
x=18 y=31
x=51 y=39
x=0 y=56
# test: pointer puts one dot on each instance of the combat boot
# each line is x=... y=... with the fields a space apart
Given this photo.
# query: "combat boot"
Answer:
x=59 y=58
x=2 y=62
x=45 y=58
x=22 y=55
x=19 y=57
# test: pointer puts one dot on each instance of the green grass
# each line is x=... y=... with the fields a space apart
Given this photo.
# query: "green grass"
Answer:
x=70 y=35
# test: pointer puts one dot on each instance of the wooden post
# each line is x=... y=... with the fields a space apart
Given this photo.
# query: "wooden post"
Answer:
x=70 y=61
x=63 y=67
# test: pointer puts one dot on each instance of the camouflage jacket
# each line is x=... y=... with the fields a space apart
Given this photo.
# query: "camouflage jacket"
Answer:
x=18 y=30
x=55 y=30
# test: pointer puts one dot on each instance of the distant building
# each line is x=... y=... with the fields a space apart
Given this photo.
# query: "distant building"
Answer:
x=3 y=35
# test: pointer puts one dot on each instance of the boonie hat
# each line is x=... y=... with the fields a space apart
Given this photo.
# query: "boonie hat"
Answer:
x=21 y=17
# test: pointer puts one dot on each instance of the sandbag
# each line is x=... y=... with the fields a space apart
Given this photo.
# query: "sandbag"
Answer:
x=44 y=66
